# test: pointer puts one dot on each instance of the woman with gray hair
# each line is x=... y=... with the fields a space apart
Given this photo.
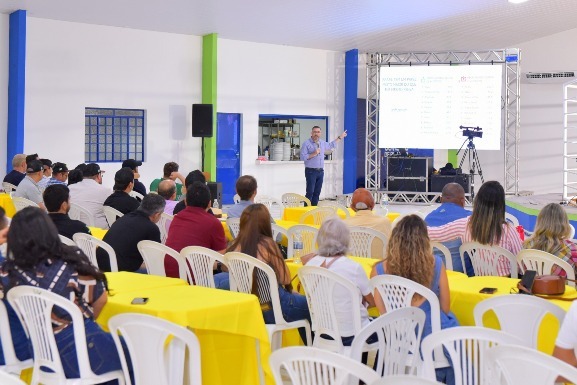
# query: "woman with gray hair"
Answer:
x=333 y=243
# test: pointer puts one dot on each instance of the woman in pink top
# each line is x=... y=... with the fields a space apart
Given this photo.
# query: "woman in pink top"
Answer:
x=486 y=225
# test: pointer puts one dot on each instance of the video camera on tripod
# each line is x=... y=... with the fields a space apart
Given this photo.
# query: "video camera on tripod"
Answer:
x=472 y=132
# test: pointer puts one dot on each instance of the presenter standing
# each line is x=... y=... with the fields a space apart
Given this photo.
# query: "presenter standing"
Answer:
x=313 y=154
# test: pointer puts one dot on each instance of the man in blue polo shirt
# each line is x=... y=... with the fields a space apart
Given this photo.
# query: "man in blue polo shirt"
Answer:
x=313 y=154
x=451 y=209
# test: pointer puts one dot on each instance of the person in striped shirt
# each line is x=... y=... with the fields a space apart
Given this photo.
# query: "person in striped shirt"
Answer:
x=486 y=225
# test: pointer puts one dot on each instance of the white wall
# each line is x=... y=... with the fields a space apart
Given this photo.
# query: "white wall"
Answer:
x=71 y=66
x=258 y=79
x=4 y=34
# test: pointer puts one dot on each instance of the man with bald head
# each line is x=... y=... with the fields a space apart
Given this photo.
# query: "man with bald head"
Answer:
x=363 y=204
x=452 y=208
x=167 y=190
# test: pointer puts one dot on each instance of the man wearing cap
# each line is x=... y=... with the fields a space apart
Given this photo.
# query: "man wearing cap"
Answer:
x=47 y=173
x=59 y=174
x=90 y=194
x=452 y=208
x=28 y=188
x=18 y=170
x=313 y=154
x=363 y=204
x=120 y=198
x=133 y=165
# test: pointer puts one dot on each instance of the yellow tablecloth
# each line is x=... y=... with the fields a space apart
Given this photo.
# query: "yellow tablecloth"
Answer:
x=229 y=325
x=7 y=205
x=97 y=232
x=293 y=214
x=465 y=295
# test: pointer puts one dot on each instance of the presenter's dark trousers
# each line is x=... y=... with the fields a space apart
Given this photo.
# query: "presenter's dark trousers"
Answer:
x=314 y=177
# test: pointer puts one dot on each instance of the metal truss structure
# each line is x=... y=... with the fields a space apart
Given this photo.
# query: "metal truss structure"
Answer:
x=510 y=58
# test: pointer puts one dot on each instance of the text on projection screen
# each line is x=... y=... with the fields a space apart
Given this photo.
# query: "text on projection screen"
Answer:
x=423 y=106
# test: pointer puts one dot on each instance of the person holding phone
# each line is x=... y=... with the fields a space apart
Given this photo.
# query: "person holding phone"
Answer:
x=313 y=154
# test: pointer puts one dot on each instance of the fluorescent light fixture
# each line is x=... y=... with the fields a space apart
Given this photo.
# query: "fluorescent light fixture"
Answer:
x=517 y=1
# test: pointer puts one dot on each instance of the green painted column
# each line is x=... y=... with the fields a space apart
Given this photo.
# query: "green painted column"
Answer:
x=209 y=61
x=452 y=157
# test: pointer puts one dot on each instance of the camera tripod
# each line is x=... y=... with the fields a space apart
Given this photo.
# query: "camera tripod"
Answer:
x=474 y=163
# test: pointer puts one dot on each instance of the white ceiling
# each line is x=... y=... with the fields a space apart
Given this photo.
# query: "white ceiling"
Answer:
x=369 y=25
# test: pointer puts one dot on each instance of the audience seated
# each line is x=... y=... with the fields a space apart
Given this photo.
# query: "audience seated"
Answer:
x=128 y=230
x=193 y=176
x=409 y=256
x=59 y=174
x=486 y=225
x=32 y=157
x=120 y=198
x=194 y=226
x=255 y=239
x=43 y=261
x=90 y=194
x=28 y=187
x=452 y=208
x=362 y=204
x=333 y=242
x=170 y=171
x=46 y=173
x=167 y=190
x=18 y=170
x=133 y=165
x=77 y=174
x=246 y=188
x=57 y=201
x=551 y=232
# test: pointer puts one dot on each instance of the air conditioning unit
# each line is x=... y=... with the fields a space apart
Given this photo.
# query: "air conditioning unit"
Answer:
x=548 y=77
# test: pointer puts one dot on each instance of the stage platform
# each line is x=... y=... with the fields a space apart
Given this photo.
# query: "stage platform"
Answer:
x=526 y=208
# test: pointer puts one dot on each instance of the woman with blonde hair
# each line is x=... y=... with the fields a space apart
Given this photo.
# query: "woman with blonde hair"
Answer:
x=409 y=255
x=552 y=231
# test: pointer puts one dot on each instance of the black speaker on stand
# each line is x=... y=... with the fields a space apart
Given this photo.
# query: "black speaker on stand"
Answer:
x=202 y=115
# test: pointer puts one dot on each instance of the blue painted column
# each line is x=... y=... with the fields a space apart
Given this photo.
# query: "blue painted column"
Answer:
x=16 y=84
x=350 y=143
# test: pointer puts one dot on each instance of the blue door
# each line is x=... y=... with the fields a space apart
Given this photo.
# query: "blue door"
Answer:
x=227 y=153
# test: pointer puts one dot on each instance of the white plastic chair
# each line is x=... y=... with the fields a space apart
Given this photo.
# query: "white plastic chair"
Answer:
x=163 y=225
x=405 y=380
x=572 y=233
x=338 y=207
x=308 y=235
x=34 y=306
x=295 y=200
x=10 y=379
x=154 y=254
x=397 y=292
x=136 y=195
x=80 y=213
x=518 y=365
x=511 y=219
x=111 y=214
x=278 y=233
x=233 y=225
x=362 y=239
x=67 y=241
x=161 y=351
x=236 y=198
x=20 y=203
x=318 y=215
x=345 y=199
x=485 y=258
x=399 y=338
x=519 y=315
x=8 y=187
x=243 y=269
x=446 y=253
x=11 y=363
x=398 y=219
x=544 y=263
x=310 y=366
x=200 y=263
x=88 y=244
x=275 y=206
x=323 y=288
x=467 y=347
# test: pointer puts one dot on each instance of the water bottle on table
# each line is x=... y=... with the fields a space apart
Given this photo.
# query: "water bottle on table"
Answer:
x=297 y=248
x=385 y=204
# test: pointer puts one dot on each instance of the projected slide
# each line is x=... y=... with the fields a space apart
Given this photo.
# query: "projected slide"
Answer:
x=423 y=106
